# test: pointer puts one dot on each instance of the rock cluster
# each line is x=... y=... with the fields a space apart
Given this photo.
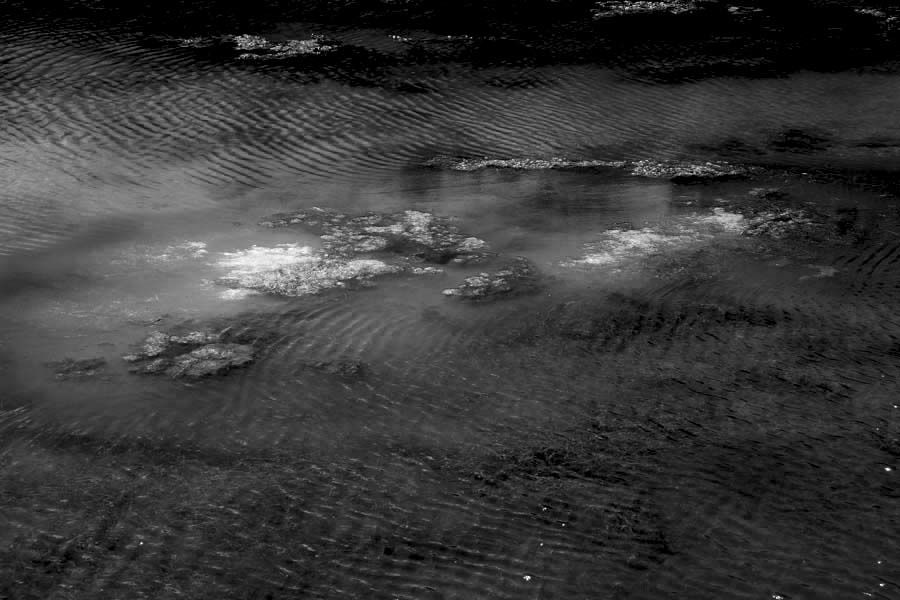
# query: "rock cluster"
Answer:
x=770 y=213
x=688 y=172
x=196 y=354
x=354 y=251
x=521 y=163
x=412 y=234
x=643 y=7
x=782 y=224
x=255 y=47
x=684 y=172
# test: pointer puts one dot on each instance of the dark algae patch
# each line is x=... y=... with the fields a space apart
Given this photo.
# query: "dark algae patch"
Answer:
x=667 y=41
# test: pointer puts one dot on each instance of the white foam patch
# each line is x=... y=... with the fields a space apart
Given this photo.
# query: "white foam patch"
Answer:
x=722 y=220
x=258 y=258
x=237 y=293
x=620 y=245
x=294 y=270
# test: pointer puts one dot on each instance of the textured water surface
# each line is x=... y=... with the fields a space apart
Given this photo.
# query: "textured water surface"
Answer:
x=698 y=400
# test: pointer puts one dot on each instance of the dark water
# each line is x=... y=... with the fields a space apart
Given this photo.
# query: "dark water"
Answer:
x=688 y=413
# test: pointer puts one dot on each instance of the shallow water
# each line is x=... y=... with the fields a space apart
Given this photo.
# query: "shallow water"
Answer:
x=682 y=411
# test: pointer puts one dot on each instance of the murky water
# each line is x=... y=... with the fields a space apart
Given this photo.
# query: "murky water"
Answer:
x=681 y=411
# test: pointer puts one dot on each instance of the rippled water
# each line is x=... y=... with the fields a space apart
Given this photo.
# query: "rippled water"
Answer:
x=682 y=411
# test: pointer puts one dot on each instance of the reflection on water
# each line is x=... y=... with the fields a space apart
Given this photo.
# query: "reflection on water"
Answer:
x=680 y=410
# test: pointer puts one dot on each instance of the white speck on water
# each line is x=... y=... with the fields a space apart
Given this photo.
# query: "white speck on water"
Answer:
x=237 y=293
x=528 y=578
x=888 y=469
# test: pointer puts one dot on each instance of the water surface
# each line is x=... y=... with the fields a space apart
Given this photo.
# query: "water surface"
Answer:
x=695 y=413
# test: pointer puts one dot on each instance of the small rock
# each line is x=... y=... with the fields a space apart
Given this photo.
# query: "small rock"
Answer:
x=427 y=271
x=155 y=344
x=211 y=359
x=517 y=277
x=194 y=354
x=153 y=367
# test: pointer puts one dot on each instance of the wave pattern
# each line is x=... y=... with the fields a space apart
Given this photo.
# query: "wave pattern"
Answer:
x=103 y=111
x=716 y=426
